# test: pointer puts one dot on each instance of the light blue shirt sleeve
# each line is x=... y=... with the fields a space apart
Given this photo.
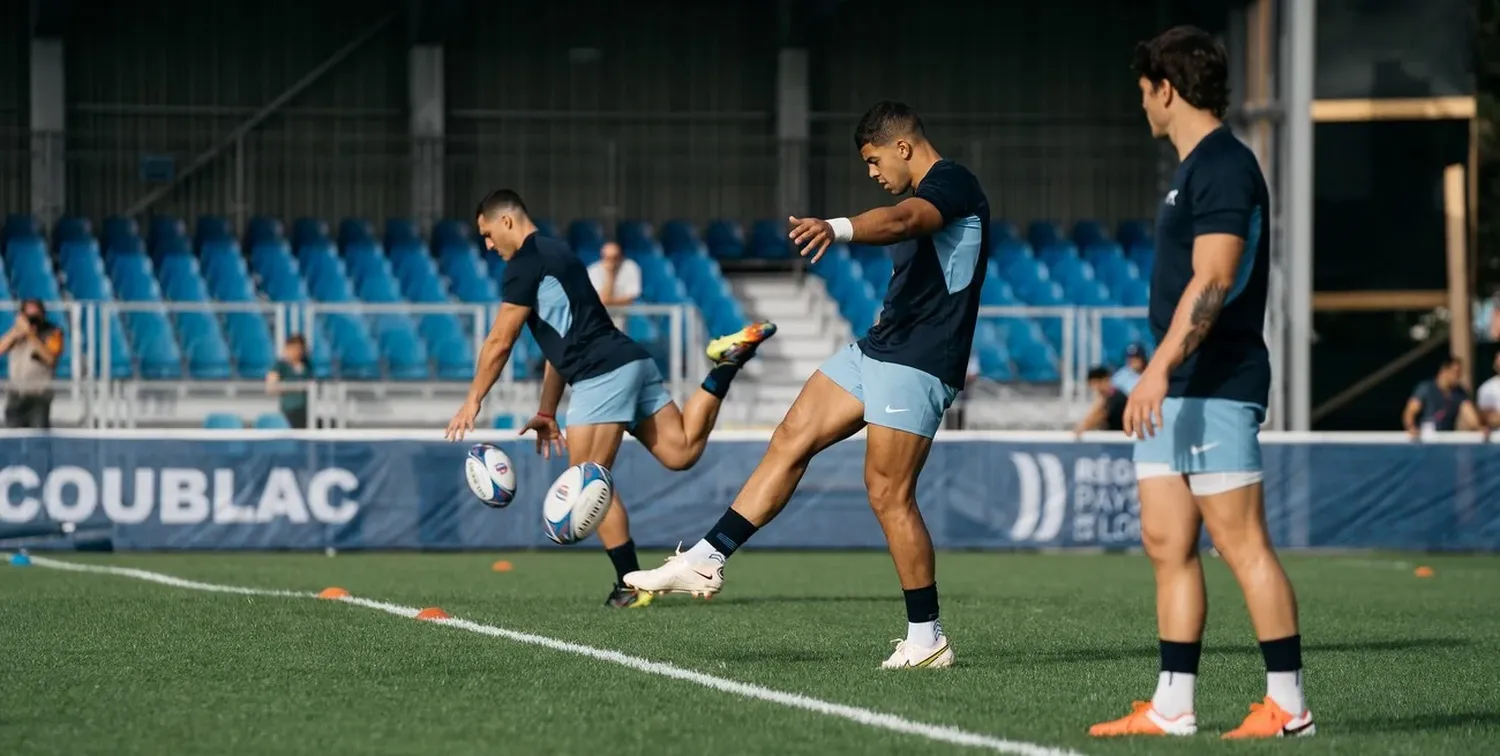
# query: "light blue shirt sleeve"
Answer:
x=1125 y=379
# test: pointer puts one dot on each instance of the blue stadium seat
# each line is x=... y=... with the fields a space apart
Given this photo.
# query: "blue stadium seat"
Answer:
x=1042 y=234
x=406 y=357
x=264 y=228
x=212 y=228
x=166 y=228
x=353 y=230
x=160 y=358
x=585 y=233
x=725 y=239
x=1116 y=271
x=208 y=358
x=401 y=231
x=1088 y=232
x=86 y=282
x=272 y=421
x=1051 y=254
x=455 y=359
x=1143 y=254
x=72 y=228
x=1008 y=251
x=22 y=225
x=1134 y=293
x=1023 y=273
x=121 y=357
x=634 y=234
x=1002 y=231
x=678 y=236
x=997 y=293
x=994 y=361
x=1070 y=272
x=451 y=231
x=117 y=228
x=250 y=344
x=1102 y=253
x=223 y=421
x=1114 y=335
x=1089 y=294
x=505 y=421
x=1133 y=232
x=1044 y=294
x=309 y=231
x=546 y=228
x=768 y=240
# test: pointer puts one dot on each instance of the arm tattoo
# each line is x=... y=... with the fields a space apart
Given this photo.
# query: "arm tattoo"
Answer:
x=1206 y=310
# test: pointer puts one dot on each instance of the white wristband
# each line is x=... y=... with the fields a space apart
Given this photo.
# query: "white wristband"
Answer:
x=843 y=229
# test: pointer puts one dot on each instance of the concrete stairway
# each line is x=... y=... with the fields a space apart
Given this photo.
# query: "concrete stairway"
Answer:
x=809 y=329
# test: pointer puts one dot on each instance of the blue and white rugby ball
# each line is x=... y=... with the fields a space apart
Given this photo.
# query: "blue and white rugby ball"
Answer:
x=577 y=503
x=491 y=476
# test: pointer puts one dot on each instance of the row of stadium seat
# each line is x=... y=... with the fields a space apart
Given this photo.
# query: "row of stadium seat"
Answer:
x=167 y=330
x=1012 y=347
x=722 y=239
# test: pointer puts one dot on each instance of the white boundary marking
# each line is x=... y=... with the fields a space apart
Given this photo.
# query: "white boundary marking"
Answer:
x=866 y=717
x=434 y=434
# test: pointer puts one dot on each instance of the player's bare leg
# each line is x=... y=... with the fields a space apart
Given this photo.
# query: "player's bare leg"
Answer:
x=676 y=437
x=822 y=415
x=1236 y=521
x=893 y=460
x=1169 y=532
x=600 y=444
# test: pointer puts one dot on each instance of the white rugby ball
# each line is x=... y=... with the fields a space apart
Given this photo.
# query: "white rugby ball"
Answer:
x=491 y=476
x=577 y=503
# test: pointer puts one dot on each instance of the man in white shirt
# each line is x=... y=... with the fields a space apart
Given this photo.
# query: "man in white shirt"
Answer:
x=617 y=279
x=1489 y=398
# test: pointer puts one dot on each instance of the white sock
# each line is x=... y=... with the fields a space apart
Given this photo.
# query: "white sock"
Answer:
x=924 y=634
x=1285 y=688
x=1174 y=694
x=702 y=551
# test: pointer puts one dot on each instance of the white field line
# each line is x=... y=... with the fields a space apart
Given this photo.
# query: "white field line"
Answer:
x=866 y=717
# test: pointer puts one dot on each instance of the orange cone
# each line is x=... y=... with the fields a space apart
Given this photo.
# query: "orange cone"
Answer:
x=1424 y=572
x=503 y=565
x=433 y=613
x=333 y=593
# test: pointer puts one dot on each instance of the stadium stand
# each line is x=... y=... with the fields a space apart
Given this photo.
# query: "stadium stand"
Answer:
x=201 y=303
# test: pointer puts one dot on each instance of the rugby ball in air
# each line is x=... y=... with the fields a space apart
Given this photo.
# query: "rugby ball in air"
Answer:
x=577 y=503
x=491 y=476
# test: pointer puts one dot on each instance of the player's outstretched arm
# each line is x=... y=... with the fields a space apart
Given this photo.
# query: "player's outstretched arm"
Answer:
x=492 y=358
x=907 y=219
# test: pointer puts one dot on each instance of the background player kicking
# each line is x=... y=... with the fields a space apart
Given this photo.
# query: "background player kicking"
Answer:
x=1200 y=402
x=899 y=379
x=616 y=384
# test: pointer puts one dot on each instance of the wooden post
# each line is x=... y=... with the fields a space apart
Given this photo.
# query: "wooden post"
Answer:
x=1460 y=294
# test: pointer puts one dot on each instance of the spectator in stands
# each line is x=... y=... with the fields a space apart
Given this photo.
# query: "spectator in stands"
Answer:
x=1489 y=398
x=1442 y=404
x=616 y=277
x=1135 y=363
x=33 y=346
x=1108 y=410
x=292 y=368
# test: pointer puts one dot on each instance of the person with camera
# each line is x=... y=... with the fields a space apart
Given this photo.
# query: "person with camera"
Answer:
x=33 y=346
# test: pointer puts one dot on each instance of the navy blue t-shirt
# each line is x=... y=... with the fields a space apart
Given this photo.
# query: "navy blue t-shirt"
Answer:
x=1440 y=408
x=1218 y=189
x=928 y=318
x=569 y=322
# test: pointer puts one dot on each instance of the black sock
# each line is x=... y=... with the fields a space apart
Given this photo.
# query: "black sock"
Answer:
x=730 y=532
x=921 y=604
x=1180 y=657
x=623 y=557
x=1283 y=654
x=718 y=380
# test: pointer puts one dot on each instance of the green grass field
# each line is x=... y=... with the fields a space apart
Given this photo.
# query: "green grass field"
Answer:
x=106 y=664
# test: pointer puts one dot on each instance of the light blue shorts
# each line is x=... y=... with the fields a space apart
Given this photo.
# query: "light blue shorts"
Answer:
x=1205 y=436
x=895 y=396
x=628 y=394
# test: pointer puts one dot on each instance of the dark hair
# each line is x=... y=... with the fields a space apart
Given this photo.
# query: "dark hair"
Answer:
x=1451 y=361
x=297 y=339
x=887 y=120
x=500 y=199
x=27 y=302
x=1192 y=61
x=1098 y=373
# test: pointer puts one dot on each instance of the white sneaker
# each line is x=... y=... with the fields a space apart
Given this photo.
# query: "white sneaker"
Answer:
x=911 y=656
x=701 y=579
